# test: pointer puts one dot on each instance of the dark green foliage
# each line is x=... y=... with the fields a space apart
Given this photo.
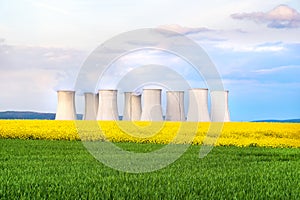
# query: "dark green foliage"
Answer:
x=38 y=169
x=29 y=115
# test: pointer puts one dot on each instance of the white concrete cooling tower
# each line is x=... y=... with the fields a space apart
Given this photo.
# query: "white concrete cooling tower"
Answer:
x=107 y=109
x=152 y=110
x=175 y=106
x=132 y=107
x=219 y=106
x=91 y=106
x=66 y=106
x=198 y=105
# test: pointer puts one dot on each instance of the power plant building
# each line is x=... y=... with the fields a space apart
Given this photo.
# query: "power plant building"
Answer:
x=66 y=105
x=91 y=106
x=152 y=110
x=219 y=106
x=175 y=106
x=198 y=105
x=107 y=108
x=147 y=107
x=132 y=107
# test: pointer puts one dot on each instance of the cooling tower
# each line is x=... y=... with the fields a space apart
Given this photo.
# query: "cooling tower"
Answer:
x=66 y=106
x=198 y=106
x=219 y=106
x=107 y=109
x=132 y=107
x=175 y=106
x=152 y=110
x=91 y=106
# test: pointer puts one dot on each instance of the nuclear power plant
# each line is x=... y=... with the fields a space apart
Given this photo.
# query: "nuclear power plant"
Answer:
x=65 y=105
x=198 y=105
x=132 y=107
x=148 y=106
x=219 y=106
x=175 y=106
x=152 y=110
x=107 y=108
x=91 y=106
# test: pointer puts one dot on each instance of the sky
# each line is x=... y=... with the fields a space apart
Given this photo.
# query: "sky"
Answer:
x=253 y=44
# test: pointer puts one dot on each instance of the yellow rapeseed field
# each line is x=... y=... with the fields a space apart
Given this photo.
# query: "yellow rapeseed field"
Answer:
x=233 y=133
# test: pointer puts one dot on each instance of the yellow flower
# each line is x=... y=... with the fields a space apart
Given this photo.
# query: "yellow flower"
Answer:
x=233 y=133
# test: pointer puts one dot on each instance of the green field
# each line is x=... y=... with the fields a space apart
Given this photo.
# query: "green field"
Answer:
x=40 y=169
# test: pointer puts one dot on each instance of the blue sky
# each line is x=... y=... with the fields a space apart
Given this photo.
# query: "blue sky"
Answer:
x=254 y=44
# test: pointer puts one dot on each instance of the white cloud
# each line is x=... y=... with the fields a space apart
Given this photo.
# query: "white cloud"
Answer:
x=251 y=48
x=276 y=69
x=139 y=59
x=238 y=40
x=281 y=16
x=185 y=30
x=28 y=89
x=51 y=8
x=30 y=75
x=20 y=57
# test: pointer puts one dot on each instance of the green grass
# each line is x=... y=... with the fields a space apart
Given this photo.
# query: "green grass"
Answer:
x=39 y=169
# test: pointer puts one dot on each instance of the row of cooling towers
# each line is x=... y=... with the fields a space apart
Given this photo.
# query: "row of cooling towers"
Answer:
x=103 y=106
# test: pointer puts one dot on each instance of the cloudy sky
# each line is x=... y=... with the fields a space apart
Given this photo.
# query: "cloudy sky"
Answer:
x=254 y=45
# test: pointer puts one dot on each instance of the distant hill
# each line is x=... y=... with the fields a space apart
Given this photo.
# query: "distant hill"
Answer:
x=29 y=115
x=281 y=121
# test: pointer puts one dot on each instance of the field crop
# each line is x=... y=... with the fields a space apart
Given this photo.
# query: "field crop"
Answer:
x=233 y=133
x=43 y=169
